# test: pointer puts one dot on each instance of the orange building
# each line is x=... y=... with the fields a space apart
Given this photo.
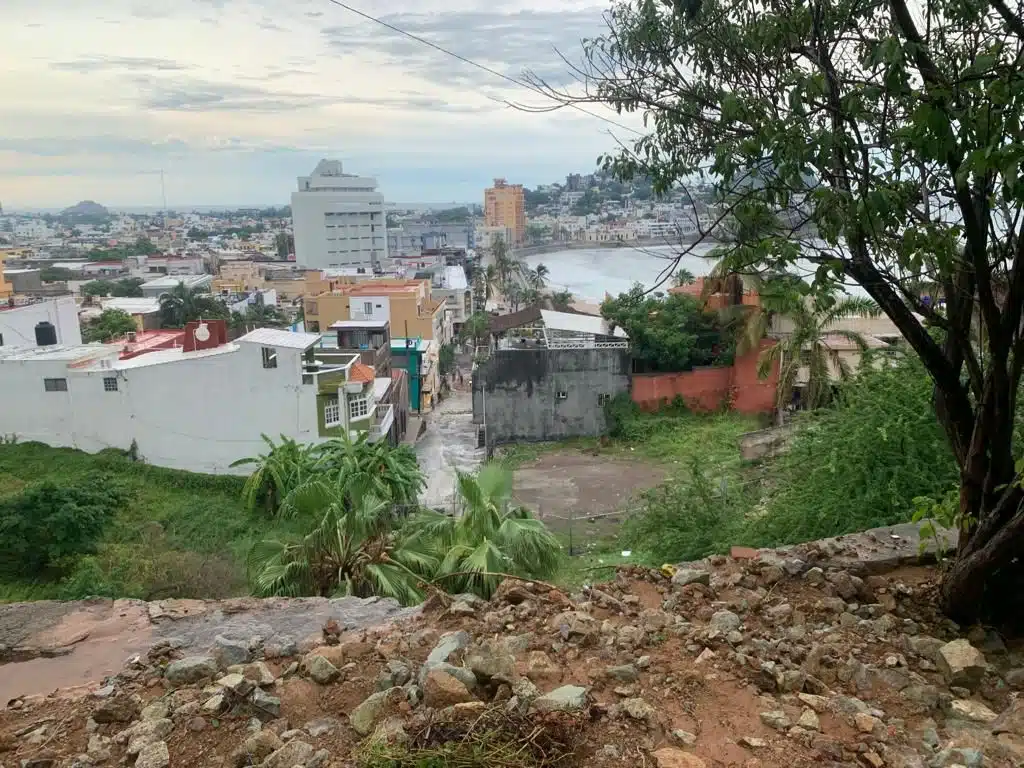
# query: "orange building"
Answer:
x=505 y=206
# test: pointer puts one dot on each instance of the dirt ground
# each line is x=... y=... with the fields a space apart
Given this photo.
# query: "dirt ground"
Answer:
x=569 y=485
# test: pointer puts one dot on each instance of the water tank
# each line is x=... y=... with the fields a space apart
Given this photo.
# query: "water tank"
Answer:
x=46 y=334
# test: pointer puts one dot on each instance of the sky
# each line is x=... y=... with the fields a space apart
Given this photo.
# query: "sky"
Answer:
x=234 y=99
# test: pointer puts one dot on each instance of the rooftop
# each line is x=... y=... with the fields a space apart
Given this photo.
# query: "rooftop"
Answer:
x=574 y=323
x=274 y=337
x=343 y=324
x=362 y=373
x=133 y=306
x=170 y=281
x=398 y=344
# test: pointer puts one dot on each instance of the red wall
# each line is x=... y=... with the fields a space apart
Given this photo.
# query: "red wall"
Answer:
x=708 y=389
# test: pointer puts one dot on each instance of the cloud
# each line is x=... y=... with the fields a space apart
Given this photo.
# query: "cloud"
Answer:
x=196 y=95
x=59 y=146
x=88 y=64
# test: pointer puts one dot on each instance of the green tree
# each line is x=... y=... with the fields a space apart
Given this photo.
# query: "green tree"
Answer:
x=182 y=305
x=895 y=152
x=538 y=277
x=284 y=467
x=375 y=469
x=476 y=328
x=128 y=287
x=196 y=234
x=683 y=277
x=562 y=300
x=111 y=324
x=490 y=536
x=56 y=275
x=446 y=360
x=285 y=244
x=670 y=333
x=806 y=347
x=98 y=288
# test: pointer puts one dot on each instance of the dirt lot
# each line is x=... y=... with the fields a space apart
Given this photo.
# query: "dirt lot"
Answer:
x=576 y=484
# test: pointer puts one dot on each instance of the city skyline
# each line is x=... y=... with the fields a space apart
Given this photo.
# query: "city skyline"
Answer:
x=234 y=100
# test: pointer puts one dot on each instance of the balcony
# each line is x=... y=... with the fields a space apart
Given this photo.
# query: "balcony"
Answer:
x=378 y=425
x=326 y=378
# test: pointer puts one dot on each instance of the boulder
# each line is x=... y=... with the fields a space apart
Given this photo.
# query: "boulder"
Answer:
x=492 y=663
x=625 y=673
x=322 y=671
x=293 y=753
x=266 y=704
x=671 y=757
x=563 y=699
x=441 y=690
x=447 y=645
x=961 y=664
x=144 y=733
x=724 y=622
x=116 y=709
x=153 y=755
x=255 y=749
x=364 y=717
x=190 y=670
x=685 y=576
x=776 y=719
x=322 y=726
x=229 y=652
x=974 y=711
x=1011 y=720
x=638 y=709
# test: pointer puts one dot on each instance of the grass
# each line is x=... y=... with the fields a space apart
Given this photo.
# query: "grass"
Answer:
x=175 y=521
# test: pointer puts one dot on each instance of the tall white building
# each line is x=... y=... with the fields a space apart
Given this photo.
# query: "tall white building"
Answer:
x=338 y=219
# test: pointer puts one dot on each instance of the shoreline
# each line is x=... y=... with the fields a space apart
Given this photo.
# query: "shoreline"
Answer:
x=583 y=245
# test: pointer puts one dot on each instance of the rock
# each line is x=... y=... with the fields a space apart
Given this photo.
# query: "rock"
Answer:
x=576 y=627
x=396 y=674
x=441 y=690
x=117 y=709
x=215 y=704
x=524 y=690
x=322 y=671
x=563 y=699
x=670 y=757
x=866 y=723
x=292 y=754
x=752 y=742
x=259 y=673
x=924 y=646
x=626 y=673
x=961 y=664
x=809 y=720
x=264 y=703
x=1011 y=720
x=685 y=576
x=238 y=684
x=924 y=697
x=814 y=576
x=446 y=646
x=229 y=652
x=255 y=749
x=683 y=738
x=974 y=711
x=322 y=726
x=540 y=668
x=724 y=622
x=492 y=663
x=144 y=733
x=818 y=703
x=158 y=710
x=872 y=759
x=99 y=748
x=776 y=719
x=190 y=670
x=638 y=709
x=459 y=673
x=196 y=724
x=963 y=756
x=153 y=755
x=364 y=717
x=461 y=608
x=44 y=760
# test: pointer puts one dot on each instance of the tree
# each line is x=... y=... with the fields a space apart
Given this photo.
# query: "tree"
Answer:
x=183 y=305
x=683 y=277
x=111 y=324
x=196 y=234
x=375 y=469
x=476 y=328
x=128 y=287
x=446 y=359
x=806 y=346
x=878 y=144
x=284 y=467
x=490 y=536
x=562 y=300
x=538 y=277
x=670 y=333
x=56 y=275
x=259 y=315
x=285 y=244
x=98 y=288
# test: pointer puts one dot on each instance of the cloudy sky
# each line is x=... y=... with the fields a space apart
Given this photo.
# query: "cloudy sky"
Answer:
x=235 y=98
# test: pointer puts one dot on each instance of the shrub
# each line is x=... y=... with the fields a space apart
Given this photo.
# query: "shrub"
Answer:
x=47 y=526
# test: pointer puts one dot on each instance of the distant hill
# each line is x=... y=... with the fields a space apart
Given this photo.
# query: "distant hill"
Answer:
x=85 y=210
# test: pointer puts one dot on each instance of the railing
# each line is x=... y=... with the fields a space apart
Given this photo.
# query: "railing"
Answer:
x=381 y=421
x=586 y=344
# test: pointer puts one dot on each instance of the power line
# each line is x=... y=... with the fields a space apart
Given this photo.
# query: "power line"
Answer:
x=482 y=67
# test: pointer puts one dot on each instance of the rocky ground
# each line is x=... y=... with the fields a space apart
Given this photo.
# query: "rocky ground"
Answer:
x=796 y=658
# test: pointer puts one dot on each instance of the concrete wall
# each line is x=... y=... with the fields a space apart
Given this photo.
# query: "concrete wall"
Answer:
x=516 y=393
x=18 y=325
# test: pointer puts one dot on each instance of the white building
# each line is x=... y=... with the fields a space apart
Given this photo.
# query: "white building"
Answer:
x=338 y=219
x=160 y=286
x=199 y=407
x=32 y=229
x=18 y=323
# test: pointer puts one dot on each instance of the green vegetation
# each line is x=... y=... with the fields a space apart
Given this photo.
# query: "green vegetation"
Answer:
x=141 y=247
x=111 y=324
x=670 y=333
x=459 y=215
x=127 y=287
x=56 y=275
x=182 y=305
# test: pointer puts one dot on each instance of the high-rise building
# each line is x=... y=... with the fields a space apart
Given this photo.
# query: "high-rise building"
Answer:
x=338 y=219
x=505 y=206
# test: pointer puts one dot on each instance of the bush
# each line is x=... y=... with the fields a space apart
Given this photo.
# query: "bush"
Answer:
x=861 y=464
x=47 y=525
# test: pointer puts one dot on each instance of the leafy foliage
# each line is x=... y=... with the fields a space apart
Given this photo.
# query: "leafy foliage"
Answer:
x=129 y=287
x=111 y=324
x=141 y=247
x=284 y=467
x=182 y=305
x=670 y=333
x=48 y=525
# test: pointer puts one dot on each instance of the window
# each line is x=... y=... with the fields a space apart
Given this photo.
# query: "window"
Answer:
x=358 y=408
x=332 y=413
x=312 y=308
x=269 y=357
x=1 y=339
x=561 y=395
x=603 y=400
x=367 y=307
x=110 y=384
x=55 y=385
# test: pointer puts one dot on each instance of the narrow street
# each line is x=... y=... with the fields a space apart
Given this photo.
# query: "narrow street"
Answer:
x=449 y=444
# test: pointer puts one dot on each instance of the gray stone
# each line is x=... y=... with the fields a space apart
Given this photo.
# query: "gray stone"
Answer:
x=259 y=673
x=144 y=733
x=255 y=749
x=117 y=709
x=238 y=684
x=322 y=671
x=925 y=697
x=1011 y=720
x=364 y=717
x=683 y=738
x=776 y=719
x=322 y=726
x=153 y=755
x=974 y=711
x=215 y=704
x=158 y=710
x=967 y=757
x=447 y=645
x=752 y=742
x=459 y=673
x=190 y=670
x=809 y=720
x=396 y=674
x=563 y=699
x=492 y=663
x=638 y=709
x=99 y=748
x=961 y=664
x=724 y=622
x=293 y=753
x=461 y=608
x=685 y=576
x=265 y=703
x=625 y=673
x=442 y=690
x=229 y=652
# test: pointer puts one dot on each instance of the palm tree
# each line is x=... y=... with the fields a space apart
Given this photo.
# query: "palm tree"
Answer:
x=376 y=469
x=490 y=536
x=353 y=549
x=284 y=467
x=806 y=345
x=683 y=277
x=182 y=305
x=562 y=300
x=476 y=328
x=538 y=277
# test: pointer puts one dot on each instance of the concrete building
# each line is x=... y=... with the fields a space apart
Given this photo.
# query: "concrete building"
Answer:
x=21 y=281
x=419 y=359
x=199 y=406
x=505 y=206
x=18 y=322
x=6 y=289
x=338 y=219
x=160 y=286
x=145 y=311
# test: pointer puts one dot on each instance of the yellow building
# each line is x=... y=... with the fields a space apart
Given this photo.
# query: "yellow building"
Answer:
x=505 y=206
x=9 y=253
x=406 y=304
x=6 y=289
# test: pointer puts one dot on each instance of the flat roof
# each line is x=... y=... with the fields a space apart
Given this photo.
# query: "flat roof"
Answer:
x=421 y=345
x=132 y=305
x=276 y=337
x=455 y=278
x=572 y=323
x=170 y=281
x=56 y=352
x=359 y=324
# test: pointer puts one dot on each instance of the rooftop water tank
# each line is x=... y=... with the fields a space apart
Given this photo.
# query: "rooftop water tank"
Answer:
x=46 y=334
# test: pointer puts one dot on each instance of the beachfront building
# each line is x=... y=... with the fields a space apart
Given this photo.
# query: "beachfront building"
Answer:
x=505 y=206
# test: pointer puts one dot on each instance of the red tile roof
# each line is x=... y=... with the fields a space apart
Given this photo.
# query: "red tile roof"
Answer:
x=362 y=373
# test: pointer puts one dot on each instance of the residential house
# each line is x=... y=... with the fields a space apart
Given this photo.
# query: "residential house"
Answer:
x=419 y=359
x=33 y=323
x=158 y=287
x=145 y=311
x=6 y=289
